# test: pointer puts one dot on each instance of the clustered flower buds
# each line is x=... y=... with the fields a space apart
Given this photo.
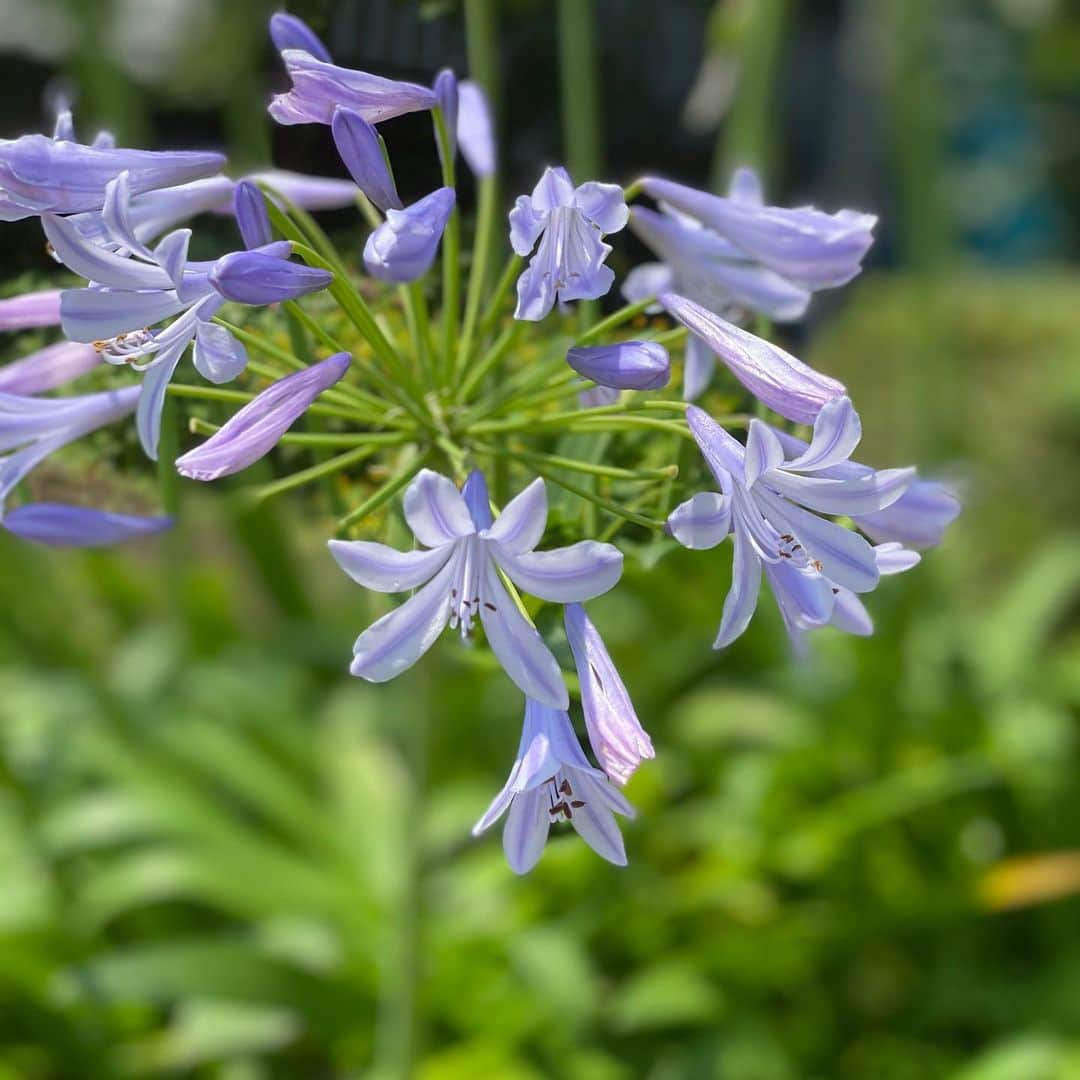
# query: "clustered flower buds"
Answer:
x=415 y=403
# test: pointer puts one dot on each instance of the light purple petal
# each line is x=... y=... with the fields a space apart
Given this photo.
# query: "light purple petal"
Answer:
x=435 y=510
x=518 y=646
x=48 y=368
x=775 y=377
x=595 y=824
x=259 y=277
x=361 y=150
x=520 y=526
x=859 y=495
x=526 y=831
x=579 y=572
x=526 y=225
x=252 y=217
x=386 y=570
x=446 y=91
x=648 y=279
x=97 y=264
x=290 y=32
x=918 y=518
x=172 y=255
x=837 y=431
x=553 y=189
x=763 y=451
x=97 y=314
x=724 y=455
x=746 y=187
x=475 y=131
x=603 y=204
x=698 y=368
x=741 y=600
x=309 y=192
x=625 y=365
x=254 y=431
x=31 y=310
x=219 y=357
x=850 y=615
x=702 y=521
x=805 y=598
x=57 y=525
x=893 y=558
x=403 y=247
x=395 y=642
x=152 y=397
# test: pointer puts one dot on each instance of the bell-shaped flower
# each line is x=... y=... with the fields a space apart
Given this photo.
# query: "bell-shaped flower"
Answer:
x=459 y=578
x=289 y=32
x=775 y=377
x=31 y=310
x=625 y=365
x=255 y=430
x=131 y=292
x=403 y=247
x=772 y=507
x=569 y=223
x=808 y=248
x=553 y=781
x=475 y=129
x=361 y=150
x=48 y=368
x=33 y=428
x=319 y=88
x=39 y=175
x=617 y=738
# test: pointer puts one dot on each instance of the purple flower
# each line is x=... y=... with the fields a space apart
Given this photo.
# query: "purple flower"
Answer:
x=460 y=578
x=552 y=780
x=618 y=740
x=773 y=376
x=289 y=32
x=475 y=131
x=252 y=218
x=131 y=292
x=810 y=249
x=39 y=175
x=31 y=429
x=766 y=503
x=362 y=151
x=257 y=427
x=31 y=310
x=319 y=87
x=48 y=368
x=403 y=247
x=627 y=365
x=569 y=223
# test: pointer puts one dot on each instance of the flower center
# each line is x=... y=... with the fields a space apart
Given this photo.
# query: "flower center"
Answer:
x=561 y=800
x=125 y=345
x=465 y=593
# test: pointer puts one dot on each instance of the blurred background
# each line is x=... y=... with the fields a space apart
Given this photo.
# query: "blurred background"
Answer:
x=221 y=857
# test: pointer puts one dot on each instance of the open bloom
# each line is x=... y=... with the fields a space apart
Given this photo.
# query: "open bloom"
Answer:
x=552 y=780
x=466 y=550
x=255 y=430
x=766 y=501
x=130 y=293
x=31 y=429
x=808 y=248
x=773 y=376
x=569 y=223
x=403 y=247
x=617 y=738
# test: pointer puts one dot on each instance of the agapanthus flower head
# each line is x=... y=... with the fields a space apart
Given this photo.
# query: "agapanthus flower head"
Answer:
x=363 y=154
x=33 y=428
x=31 y=310
x=403 y=247
x=569 y=223
x=624 y=365
x=552 y=781
x=289 y=32
x=458 y=581
x=475 y=129
x=775 y=377
x=47 y=368
x=39 y=175
x=617 y=738
x=773 y=508
x=130 y=293
x=319 y=88
x=810 y=249
x=255 y=430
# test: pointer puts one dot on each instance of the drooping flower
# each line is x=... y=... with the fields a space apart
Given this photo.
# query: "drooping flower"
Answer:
x=617 y=738
x=129 y=293
x=255 y=430
x=403 y=247
x=466 y=549
x=319 y=88
x=773 y=376
x=361 y=151
x=33 y=428
x=48 y=368
x=39 y=175
x=31 y=310
x=808 y=248
x=772 y=507
x=626 y=365
x=552 y=780
x=475 y=130
x=569 y=223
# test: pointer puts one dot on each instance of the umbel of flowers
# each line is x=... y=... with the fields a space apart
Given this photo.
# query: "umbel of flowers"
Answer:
x=450 y=402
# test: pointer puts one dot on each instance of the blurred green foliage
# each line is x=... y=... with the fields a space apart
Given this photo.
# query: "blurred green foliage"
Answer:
x=223 y=858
